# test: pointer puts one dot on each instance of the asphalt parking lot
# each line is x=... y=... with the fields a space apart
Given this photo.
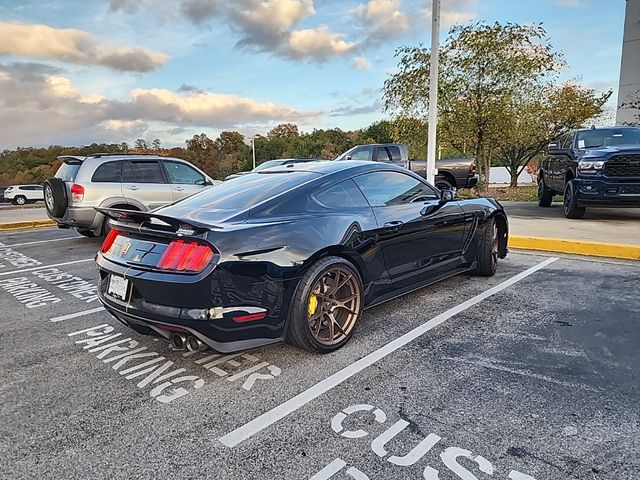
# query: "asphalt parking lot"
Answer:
x=531 y=374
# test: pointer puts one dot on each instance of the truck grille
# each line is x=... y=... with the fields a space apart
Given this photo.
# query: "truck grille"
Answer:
x=630 y=190
x=623 y=166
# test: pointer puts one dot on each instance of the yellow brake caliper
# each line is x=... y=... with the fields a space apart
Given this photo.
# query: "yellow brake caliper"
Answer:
x=313 y=304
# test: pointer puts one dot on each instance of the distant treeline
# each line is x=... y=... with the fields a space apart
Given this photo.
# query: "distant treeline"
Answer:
x=229 y=153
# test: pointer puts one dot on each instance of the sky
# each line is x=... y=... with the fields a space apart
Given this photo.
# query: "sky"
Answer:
x=76 y=72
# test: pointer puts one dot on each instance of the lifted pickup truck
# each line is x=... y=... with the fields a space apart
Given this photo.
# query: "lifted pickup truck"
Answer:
x=598 y=167
x=453 y=173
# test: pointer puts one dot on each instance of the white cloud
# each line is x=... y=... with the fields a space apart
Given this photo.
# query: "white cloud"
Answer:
x=33 y=96
x=74 y=46
x=568 y=3
x=383 y=19
x=318 y=43
x=361 y=63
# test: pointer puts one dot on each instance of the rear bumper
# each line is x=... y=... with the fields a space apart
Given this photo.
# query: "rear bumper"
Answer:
x=200 y=305
x=607 y=193
x=472 y=181
x=81 y=217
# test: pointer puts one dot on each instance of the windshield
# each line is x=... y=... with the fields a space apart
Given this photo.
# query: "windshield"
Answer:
x=269 y=164
x=608 y=137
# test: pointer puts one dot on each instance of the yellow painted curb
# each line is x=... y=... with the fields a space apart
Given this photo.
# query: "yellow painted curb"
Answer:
x=22 y=225
x=577 y=247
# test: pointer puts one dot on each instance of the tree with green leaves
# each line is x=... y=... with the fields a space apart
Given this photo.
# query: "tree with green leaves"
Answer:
x=482 y=68
x=545 y=112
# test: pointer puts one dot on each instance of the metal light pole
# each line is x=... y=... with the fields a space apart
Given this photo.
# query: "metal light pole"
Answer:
x=433 y=91
x=253 y=148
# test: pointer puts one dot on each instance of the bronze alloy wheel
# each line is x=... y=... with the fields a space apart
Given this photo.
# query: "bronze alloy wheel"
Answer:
x=333 y=306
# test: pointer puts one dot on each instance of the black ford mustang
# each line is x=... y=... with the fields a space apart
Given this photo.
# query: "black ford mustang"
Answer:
x=290 y=254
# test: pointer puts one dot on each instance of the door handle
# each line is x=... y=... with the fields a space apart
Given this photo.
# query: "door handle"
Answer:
x=395 y=225
x=180 y=189
x=133 y=187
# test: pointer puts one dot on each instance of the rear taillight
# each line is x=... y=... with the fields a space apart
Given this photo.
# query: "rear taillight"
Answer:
x=472 y=169
x=77 y=193
x=109 y=239
x=185 y=256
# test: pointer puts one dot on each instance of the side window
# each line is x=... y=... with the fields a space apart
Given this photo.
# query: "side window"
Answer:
x=393 y=188
x=382 y=155
x=566 y=142
x=180 y=173
x=361 y=154
x=394 y=153
x=39 y=187
x=134 y=171
x=344 y=194
x=108 y=172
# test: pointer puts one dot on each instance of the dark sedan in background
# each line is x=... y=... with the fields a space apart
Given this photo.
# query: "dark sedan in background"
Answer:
x=290 y=253
x=274 y=163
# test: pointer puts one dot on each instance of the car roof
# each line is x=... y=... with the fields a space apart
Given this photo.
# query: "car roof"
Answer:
x=325 y=167
x=614 y=127
x=117 y=156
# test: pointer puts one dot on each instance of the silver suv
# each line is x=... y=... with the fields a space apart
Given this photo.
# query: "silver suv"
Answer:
x=132 y=182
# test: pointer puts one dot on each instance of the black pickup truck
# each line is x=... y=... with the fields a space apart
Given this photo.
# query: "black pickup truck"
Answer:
x=597 y=167
x=452 y=172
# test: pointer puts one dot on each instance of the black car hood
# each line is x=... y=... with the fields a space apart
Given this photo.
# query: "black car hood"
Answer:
x=601 y=152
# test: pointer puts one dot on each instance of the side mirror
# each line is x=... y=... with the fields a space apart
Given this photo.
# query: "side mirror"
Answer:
x=447 y=196
x=348 y=157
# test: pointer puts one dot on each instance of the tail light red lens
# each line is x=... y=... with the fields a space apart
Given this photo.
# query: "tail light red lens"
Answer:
x=472 y=169
x=185 y=256
x=77 y=193
x=109 y=239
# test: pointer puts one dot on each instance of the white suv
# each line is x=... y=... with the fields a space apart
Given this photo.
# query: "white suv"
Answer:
x=23 y=194
x=127 y=181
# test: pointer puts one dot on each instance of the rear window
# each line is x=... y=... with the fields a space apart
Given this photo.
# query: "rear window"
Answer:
x=68 y=171
x=246 y=191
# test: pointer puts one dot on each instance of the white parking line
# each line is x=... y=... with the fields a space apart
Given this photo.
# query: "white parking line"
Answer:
x=267 y=419
x=31 y=269
x=41 y=241
x=76 y=315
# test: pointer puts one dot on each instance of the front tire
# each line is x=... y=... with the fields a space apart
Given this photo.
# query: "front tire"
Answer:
x=326 y=306
x=20 y=200
x=488 y=251
x=570 y=205
x=545 y=196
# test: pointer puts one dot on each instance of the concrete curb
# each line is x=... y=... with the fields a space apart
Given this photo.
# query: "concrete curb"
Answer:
x=23 y=225
x=576 y=247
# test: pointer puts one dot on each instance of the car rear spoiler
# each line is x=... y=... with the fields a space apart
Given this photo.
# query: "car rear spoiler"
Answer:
x=71 y=159
x=138 y=218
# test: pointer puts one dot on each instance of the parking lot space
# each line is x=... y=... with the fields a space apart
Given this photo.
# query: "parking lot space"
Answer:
x=529 y=374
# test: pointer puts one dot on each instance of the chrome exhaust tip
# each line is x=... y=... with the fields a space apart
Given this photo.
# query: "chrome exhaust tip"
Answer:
x=179 y=341
x=194 y=344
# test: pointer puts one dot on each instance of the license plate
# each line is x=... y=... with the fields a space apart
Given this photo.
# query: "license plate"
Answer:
x=118 y=287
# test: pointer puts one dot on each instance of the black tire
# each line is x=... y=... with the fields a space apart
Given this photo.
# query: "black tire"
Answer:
x=299 y=328
x=20 y=200
x=444 y=184
x=55 y=197
x=488 y=251
x=545 y=196
x=86 y=233
x=570 y=204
